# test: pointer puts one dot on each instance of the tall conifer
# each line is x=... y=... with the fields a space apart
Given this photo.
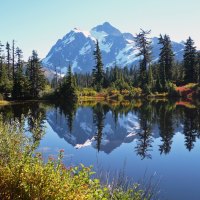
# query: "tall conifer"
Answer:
x=98 y=72
x=143 y=45
x=189 y=61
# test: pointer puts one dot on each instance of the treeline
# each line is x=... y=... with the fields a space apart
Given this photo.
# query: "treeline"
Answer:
x=26 y=80
x=152 y=77
x=19 y=79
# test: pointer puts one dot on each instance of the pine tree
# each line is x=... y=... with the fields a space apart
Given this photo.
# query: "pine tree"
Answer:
x=1 y=57
x=198 y=67
x=13 y=59
x=143 y=45
x=178 y=73
x=35 y=75
x=18 y=53
x=166 y=58
x=8 y=57
x=158 y=86
x=71 y=90
x=68 y=90
x=20 y=81
x=189 y=61
x=5 y=83
x=150 y=80
x=98 y=72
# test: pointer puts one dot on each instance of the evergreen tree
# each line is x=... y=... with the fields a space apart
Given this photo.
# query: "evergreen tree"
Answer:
x=189 y=61
x=150 y=80
x=98 y=72
x=178 y=73
x=158 y=86
x=13 y=59
x=198 y=67
x=18 y=53
x=143 y=45
x=1 y=57
x=20 y=81
x=8 y=57
x=166 y=56
x=5 y=82
x=68 y=89
x=35 y=75
x=165 y=61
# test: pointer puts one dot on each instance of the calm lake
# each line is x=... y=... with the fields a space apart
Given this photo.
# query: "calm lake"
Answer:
x=142 y=139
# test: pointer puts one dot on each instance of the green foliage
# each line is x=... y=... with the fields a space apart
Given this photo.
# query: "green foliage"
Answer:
x=20 y=85
x=166 y=59
x=189 y=60
x=143 y=45
x=178 y=74
x=27 y=81
x=120 y=84
x=87 y=92
x=16 y=78
x=98 y=72
x=20 y=80
x=197 y=71
x=36 y=78
x=24 y=174
x=172 y=90
x=5 y=82
x=68 y=89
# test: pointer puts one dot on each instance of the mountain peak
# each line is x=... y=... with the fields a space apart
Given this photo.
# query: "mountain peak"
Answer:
x=78 y=30
x=107 y=28
x=78 y=46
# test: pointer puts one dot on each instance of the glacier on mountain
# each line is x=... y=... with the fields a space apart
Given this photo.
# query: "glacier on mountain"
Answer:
x=117 y=48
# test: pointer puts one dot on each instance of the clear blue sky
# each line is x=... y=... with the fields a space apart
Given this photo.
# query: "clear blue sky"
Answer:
x=38 y=24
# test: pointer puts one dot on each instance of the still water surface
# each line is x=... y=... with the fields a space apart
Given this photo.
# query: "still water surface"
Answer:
x=143 y=138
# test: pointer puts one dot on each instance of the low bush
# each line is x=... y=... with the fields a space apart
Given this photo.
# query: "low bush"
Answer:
x=24 y=175
x=87 y=92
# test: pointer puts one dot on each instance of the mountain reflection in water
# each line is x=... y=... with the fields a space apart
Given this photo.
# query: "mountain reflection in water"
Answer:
x=105 y=126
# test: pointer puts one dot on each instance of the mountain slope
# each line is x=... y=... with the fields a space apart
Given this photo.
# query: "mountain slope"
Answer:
x=77 y=47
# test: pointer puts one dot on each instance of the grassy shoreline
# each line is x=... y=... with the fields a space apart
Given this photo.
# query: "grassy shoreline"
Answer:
x=188 y=91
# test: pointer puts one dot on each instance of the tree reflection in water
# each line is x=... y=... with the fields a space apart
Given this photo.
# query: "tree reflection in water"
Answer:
x=156 y=119
x=144 y=143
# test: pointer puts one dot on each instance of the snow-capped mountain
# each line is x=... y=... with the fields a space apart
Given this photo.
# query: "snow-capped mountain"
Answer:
x=77 y=48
